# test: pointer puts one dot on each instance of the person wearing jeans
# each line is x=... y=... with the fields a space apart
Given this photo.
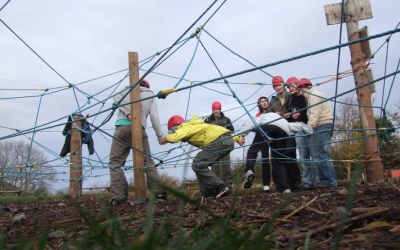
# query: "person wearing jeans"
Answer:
x=309 y=174
x=320 y=118
x=297 y=112
x=320 y=148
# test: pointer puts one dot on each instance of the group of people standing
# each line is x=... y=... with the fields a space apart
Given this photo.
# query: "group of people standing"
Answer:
x=296 y=102
x=298 y=116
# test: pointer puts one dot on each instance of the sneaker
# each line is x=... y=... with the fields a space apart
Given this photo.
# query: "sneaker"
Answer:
x=161 y=196
x=249 y=179
x=224 y=192
x=114 y=202
x=266 y=189
x=286 y=191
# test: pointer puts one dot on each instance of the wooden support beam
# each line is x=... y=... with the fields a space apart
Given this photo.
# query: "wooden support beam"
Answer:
x=136 y=130
x=75 y=182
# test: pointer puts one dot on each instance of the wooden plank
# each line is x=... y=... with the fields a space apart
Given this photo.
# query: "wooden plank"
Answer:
x=333 y=11
x=192 y=185
x=16 y=192
x=106 y=189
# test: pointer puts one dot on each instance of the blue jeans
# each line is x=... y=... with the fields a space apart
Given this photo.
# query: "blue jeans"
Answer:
x=319 y=146
x=307 y=170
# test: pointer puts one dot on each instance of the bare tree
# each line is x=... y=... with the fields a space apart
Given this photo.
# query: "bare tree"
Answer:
x=347 y=141
x=32 y=176
x=395 y=115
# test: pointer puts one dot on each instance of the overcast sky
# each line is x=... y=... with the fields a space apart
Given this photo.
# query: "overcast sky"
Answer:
x=87 y=39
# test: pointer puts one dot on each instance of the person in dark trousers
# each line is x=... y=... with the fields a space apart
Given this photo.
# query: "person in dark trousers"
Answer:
x=121 y=145
x=224 y=166
x=259 y=144
x=278 y=105
x=296 y=111
x=276 y=129
x=215 y=142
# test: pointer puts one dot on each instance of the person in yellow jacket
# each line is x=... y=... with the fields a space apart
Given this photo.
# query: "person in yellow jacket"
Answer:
x=215 y=142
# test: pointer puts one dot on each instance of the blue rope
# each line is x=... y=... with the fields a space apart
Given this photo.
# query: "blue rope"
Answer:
x=34 y=133
x=198 y=31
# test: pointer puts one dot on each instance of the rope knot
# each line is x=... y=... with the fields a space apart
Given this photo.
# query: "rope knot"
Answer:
x=160 y=95
x=115 y=105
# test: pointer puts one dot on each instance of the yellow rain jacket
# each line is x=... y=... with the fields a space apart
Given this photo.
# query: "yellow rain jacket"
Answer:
x=198 y=133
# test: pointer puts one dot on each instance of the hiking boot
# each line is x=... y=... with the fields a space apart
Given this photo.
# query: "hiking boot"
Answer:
x=249 y=179
x=266 y=189
x=161 y=196
x=224 y=192
x=114 y=202
x=295 y=188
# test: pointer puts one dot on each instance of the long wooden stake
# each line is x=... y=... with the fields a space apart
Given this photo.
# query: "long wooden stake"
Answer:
x=136 y=130
x=75 y=182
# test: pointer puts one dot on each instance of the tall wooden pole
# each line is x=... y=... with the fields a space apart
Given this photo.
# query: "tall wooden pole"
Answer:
x=355 y=10
x=136 y=130
x=75 y=182
x=374 y=166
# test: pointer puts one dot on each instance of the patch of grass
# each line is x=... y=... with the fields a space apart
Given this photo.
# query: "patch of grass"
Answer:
x=9 y=199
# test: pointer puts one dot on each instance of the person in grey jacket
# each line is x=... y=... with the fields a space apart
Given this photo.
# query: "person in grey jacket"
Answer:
x=276 y=129
x=121 y=144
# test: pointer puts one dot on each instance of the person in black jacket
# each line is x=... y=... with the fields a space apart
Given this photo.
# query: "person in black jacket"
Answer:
x=218 y=118
x=295 y=112
x=279 y=105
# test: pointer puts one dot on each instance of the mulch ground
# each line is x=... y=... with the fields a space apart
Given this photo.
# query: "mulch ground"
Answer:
x=373 y=221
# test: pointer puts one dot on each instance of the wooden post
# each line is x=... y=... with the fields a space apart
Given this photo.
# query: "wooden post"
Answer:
x=136 y=130
x=75 y=182
x=355 y=10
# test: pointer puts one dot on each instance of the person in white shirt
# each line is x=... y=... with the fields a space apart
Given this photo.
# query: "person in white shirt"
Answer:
x=276 y=130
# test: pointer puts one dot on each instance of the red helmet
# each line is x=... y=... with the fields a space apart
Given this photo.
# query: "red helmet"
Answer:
x=216 y=105
x=292 y=80
x=146 y=83
x=175 y=120
x=259 y=99
x=276 y=80
x=303 y=83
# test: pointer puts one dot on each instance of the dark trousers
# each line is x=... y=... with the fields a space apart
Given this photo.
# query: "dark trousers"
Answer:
x=223 y=170
x=209 y=184
x=259 y=144
x=278 y=146
x=290 y=163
